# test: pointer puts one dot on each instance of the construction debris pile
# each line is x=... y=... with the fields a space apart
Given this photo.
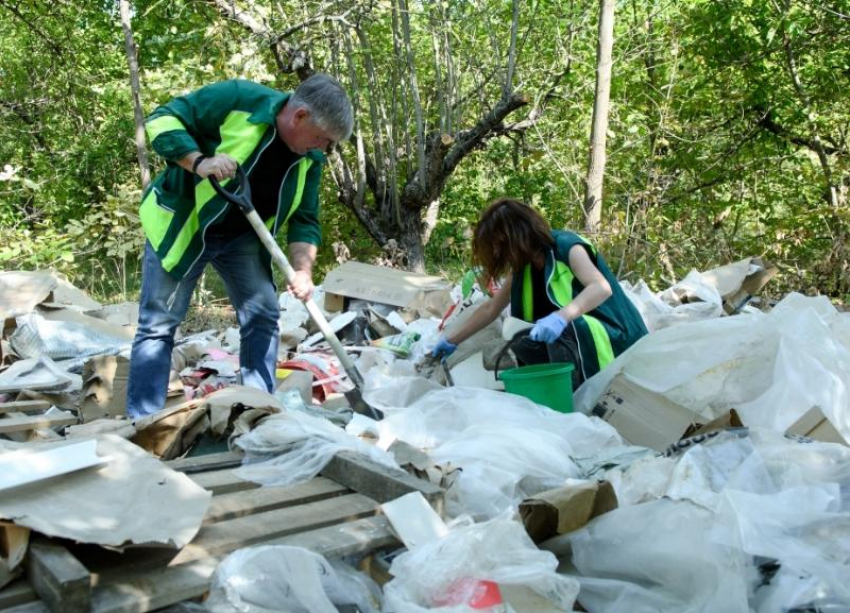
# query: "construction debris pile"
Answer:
x=706 y=469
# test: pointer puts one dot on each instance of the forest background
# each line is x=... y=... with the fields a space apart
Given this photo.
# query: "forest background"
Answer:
x=726 y=136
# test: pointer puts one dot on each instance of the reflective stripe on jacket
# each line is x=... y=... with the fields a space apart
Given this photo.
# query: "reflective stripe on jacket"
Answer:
x=603 y=333
x=232 y=117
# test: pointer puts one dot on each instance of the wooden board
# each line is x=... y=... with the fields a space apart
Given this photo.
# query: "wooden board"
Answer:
x=239 y=504
x=58 y=577
x=24 y=406
x=222 y=481
x=22 y=423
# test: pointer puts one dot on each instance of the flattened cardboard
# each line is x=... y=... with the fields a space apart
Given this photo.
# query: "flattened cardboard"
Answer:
x=729 y=420
x=814 y=425
x=21 y=291
x=379 y=284
x=169 y=433
x=641 y=416
x=105 y=387
x=565 y=509
x=134 y=499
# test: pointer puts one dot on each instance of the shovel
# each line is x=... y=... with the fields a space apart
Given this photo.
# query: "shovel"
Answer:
x=241 y=197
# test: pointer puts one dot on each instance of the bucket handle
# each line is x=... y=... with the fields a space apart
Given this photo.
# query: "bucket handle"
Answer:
x=516 y=337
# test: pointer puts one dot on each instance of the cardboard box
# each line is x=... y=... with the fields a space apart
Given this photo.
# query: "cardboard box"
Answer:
x=378 y=284
x=565 y=509
x=641 y=416
x=816 y=426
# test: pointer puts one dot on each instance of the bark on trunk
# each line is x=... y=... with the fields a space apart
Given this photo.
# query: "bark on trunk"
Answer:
x=135 y=88
x=596 y=167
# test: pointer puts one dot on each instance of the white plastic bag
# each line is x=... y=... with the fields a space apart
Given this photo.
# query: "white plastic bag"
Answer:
x=277 y=578
x=441 y=576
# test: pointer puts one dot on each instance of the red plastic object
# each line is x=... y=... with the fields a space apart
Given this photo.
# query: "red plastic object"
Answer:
x=476 y=593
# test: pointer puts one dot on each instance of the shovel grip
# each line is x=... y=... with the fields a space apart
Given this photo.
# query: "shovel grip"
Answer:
x=241 y=196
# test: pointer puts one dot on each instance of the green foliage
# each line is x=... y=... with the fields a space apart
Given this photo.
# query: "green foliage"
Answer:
x=710 y=144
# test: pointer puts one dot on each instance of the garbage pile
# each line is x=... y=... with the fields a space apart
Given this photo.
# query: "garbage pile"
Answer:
x=706 y=469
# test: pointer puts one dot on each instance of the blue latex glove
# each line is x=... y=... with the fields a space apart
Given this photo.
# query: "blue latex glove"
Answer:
x=444 y=348
x=549 y=328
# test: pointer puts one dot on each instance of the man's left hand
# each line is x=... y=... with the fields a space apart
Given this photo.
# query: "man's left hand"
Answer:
x=302 y=285
x=548 y=329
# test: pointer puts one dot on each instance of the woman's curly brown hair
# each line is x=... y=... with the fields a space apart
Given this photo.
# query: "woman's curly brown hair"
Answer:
x=508 y=236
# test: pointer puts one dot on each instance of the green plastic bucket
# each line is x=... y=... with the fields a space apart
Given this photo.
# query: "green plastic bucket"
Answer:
x=548 y=384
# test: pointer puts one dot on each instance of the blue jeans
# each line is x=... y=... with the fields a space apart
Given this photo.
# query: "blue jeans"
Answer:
x=163 y=305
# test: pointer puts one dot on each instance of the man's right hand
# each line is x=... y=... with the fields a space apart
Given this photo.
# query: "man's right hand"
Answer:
x=220 y=166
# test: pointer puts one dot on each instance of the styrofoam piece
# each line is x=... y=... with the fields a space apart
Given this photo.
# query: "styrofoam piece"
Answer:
x=471 y=373
x=25 y=466
x=414 y=521
x=337 y=324
x=512 y=325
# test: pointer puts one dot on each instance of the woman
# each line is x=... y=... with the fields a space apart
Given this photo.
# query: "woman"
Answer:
x=559 y=282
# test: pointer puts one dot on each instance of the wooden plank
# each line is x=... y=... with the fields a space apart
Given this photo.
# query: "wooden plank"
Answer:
x=140 y=593
x=240 y=504
x=244 y=531
x=24 y=406
x=17 y=592
x=32 y=607
x=22 y=423
x=346 y=539
x=377 y=481
x=223 y=481
x=212 y=461
x=60 y=580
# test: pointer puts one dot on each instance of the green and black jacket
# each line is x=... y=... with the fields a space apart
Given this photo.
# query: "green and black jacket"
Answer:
x=605 y=332
x=234 y=117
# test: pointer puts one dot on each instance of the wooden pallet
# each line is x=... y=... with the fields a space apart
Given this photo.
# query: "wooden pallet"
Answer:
x=336 y=514
x=21 y=416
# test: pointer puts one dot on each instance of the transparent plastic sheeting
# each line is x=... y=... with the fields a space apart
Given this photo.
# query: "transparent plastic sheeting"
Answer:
x=499 y=550
x=293 y=447
x=665 y=309
x=771 y=367
x=69 y=341
x=735 y=508
x=508 y=447
x=275 y=578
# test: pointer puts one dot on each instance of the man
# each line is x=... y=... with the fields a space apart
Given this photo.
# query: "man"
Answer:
x=278 y=138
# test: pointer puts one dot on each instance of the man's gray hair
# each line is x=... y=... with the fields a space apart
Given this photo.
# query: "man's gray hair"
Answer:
x=328 y=105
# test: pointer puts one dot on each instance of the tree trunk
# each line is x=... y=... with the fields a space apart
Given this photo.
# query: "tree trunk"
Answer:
x=138 y=114
x=405 y=169
x=596 y=168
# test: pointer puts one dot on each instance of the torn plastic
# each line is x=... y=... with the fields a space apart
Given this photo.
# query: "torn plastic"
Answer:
x=658 y=558
x=293 y=447
x=478 y=563
x=507 y=447
x=691 y=299
x=772 y=368
x=738 y=499
x=277 y=578
x=63 y=340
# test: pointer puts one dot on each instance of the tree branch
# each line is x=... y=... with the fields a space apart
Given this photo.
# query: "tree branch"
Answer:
x=475 y=136
x=767 y=122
